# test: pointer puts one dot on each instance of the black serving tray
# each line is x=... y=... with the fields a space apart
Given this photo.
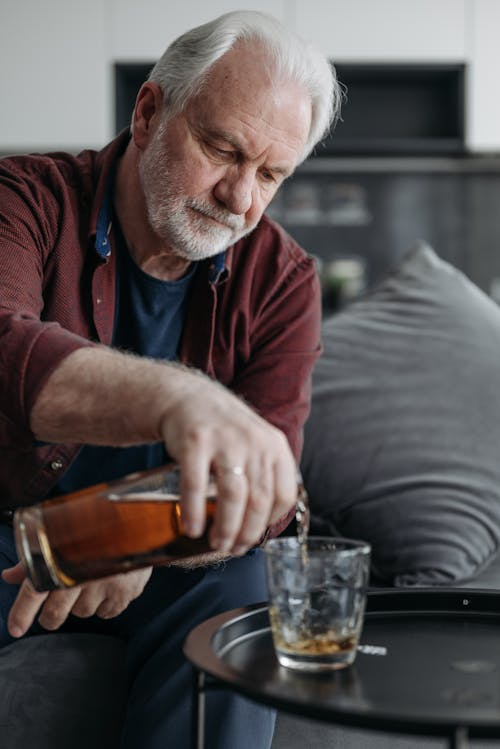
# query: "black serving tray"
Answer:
x=429 y=662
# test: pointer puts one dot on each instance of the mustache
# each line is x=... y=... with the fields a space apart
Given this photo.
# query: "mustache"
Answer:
x=235 y=223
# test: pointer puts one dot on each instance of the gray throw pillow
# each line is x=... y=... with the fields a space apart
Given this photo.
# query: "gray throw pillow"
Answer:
x=402 y=447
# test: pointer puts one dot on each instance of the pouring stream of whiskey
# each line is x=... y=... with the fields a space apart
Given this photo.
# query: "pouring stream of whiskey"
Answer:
x=302 y=517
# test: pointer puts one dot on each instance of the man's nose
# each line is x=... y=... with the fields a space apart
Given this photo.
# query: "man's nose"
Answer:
x=234 y=189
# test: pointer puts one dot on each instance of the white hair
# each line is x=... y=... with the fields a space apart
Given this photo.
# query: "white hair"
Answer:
x=183 y=68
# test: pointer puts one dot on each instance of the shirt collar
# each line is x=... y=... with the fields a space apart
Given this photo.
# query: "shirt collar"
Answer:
x=104 y=166
x=104 y=221
x=217 y=270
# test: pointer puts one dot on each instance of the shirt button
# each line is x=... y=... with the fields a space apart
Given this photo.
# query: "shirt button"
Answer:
x=56 y=464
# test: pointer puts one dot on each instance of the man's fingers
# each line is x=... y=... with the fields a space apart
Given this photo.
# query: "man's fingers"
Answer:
x=253 y=491
x=194 y=471
x=14 y=575
x=107 y=598
x=24 y=609
x=261 y=497
x=232 y=495
x=272 y=493
x=286 y=483
x=54 y=608
x=58 y=607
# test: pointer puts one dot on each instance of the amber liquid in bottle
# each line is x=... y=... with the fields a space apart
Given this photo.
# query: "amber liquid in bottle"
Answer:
x=107 y=529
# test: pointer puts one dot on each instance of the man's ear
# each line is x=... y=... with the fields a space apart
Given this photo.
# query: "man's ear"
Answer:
x=147 y=114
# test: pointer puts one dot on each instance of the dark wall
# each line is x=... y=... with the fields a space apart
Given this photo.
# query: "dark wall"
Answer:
x=377 y=215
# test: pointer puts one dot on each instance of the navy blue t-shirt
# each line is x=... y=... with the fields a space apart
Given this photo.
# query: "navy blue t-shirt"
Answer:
x=149 y=317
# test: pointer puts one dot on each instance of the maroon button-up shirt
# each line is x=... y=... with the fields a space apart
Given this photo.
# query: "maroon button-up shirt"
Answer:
x=255 y=327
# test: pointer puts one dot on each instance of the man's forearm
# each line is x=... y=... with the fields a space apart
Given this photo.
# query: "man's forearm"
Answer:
x=103 y=397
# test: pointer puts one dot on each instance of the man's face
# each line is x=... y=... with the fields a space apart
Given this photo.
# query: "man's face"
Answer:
x=209 y=173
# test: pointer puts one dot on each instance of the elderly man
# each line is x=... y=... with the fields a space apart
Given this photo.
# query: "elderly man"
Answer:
x=139 y=286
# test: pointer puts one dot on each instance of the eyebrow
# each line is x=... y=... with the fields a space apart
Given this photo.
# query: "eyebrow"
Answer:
x=229 y=138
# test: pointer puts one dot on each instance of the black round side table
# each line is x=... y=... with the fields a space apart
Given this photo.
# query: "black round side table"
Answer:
x=428 y=664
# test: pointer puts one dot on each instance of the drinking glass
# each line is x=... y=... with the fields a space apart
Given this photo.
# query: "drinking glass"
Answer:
x=317 y=595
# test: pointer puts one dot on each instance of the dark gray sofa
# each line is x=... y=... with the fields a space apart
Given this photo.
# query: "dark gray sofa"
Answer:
x=401 y=449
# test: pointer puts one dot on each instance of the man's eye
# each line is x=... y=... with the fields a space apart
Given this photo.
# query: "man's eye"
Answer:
x=219 y=153
x=268 y=176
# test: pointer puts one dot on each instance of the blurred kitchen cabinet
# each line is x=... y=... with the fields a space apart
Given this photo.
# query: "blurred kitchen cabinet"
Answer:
x=142 y=31
x=54 y=87
x=386 y=30
x=58 y=61
x=58 y=58
x=418 y=31
x=483 y=113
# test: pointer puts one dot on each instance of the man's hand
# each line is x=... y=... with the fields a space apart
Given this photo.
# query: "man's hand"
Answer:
x=211 y=431
x=105 y=598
